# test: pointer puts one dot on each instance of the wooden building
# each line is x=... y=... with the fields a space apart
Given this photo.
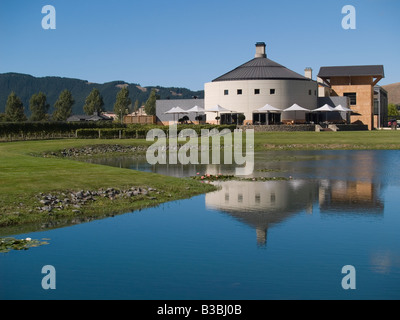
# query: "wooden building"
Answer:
x=357 y=83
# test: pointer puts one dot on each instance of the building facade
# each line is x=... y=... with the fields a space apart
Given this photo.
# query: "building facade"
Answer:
x=258 y=82
x=381 y=105
x=357 y=83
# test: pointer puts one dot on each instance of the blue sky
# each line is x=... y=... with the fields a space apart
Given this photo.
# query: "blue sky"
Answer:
x=185 y=43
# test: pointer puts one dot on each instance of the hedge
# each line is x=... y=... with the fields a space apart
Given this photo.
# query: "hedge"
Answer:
x=141 y=131
x=93 y=130
x=40 y=130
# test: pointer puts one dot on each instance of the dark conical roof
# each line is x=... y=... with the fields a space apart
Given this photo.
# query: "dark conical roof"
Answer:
x=260 y=69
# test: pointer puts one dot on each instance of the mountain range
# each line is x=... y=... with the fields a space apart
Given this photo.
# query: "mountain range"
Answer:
x=393 y=92
x=25 y=86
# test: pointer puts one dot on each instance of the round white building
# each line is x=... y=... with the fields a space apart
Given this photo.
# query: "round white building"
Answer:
x=256 y=83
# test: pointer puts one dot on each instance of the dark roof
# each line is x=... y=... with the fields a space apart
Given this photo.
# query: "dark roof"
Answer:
x=260 y=69
x=94 y=117
x=347 y=71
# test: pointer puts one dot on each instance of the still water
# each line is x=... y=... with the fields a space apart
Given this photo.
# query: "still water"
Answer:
x=248 y=240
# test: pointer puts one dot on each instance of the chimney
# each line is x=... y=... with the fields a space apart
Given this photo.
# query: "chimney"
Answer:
x=260 y=50
x=308 y=73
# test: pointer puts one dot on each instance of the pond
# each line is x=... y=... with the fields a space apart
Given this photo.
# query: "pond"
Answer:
x=250 y=240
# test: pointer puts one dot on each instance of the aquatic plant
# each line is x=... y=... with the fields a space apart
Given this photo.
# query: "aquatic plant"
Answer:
x=8 y=244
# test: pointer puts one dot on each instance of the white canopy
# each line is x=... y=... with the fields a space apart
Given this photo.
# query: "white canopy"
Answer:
x=176 y=110
x=195 y=109
x=325 y=107
x=340 y=108
x=296 y=107
x=268 y=108
x=217 y=108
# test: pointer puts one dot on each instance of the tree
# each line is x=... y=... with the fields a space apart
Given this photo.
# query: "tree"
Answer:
x=392 y=110
x=39 y=107
x=150 y=106
x=14 y=109
x=136 y=106
x=122 y=103
x=94 y=102
x=63 y=106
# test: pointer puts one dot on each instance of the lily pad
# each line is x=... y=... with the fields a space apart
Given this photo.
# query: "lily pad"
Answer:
x=8 y=244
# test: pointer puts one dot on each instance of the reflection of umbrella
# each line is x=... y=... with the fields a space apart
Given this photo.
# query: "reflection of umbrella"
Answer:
x=267 y=109
x=176 y=110
x=217 y=109
x=295 y=108
x=196 y=109
x=325 y=108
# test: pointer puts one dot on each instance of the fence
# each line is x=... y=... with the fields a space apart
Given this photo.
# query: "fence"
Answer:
x=130 y=119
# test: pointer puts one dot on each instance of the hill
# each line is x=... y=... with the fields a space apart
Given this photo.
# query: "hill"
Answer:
x=26 y=85
x=393 y=92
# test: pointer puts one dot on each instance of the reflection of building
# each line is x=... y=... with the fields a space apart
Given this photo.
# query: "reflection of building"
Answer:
x=262 y=204
x=357 y=196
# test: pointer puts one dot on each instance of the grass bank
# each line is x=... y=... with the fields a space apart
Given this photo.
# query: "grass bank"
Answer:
x=23 y=177
x=350 y=140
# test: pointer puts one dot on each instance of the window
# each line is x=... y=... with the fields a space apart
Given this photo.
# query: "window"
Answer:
x=256 y=91
x=226 y=92
x=352 y=96
x=257 y=198
x=309 y=92
x=315 y=92
x=240 y=198
x=239 y=91
x=271 y=91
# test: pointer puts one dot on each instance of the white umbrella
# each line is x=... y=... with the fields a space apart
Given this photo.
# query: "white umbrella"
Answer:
x=196 y=109
x=267 y=109
x=325 y=108
x=176 y=110
x=340 y=108
x=217 y=109
x=295 y=107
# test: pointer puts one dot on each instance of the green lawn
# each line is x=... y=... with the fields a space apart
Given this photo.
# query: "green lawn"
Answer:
x=23 y=176
x=328 y=140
